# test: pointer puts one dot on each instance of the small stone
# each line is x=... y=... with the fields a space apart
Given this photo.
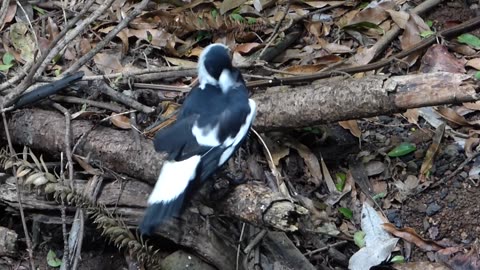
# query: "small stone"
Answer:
x=432 y=209
x=443 y=193
x=463 y=174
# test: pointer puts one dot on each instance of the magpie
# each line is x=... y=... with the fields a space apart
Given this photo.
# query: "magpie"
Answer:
x=211 y=125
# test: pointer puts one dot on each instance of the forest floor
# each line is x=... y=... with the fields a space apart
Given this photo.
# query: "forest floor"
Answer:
x=422 y=176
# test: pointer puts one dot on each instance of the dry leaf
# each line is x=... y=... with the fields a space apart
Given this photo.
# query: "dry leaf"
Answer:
x=475 y=63
x=108 y=63
x=120 y=121
x=181 y=62
x=229 y=5
x=245 y=48
x=310 y=159
x=431 y=152
x=472 y=105
x=409 y=235
x=439 y=59
x=452 y=116
x=352 y=126
x=412 y=116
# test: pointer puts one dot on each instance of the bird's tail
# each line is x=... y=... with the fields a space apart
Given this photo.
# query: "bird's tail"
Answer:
x=160 y=212
x=166 y=199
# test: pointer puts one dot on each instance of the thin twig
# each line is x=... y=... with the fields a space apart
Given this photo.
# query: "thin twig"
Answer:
x=339 y=243
x=19 y=197
x=107 y=90
x=98 y=104
x=270 y=158
x=65 y=261
x=240 y=239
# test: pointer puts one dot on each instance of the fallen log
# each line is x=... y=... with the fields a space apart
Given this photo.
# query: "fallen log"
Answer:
x=338 y=99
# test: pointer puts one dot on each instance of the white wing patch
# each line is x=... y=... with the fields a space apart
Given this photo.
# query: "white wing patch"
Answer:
x=231 y=143
x=206 y=136
x=173 y=179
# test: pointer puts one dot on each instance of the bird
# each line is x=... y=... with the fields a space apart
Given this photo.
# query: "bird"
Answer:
x=212 y=124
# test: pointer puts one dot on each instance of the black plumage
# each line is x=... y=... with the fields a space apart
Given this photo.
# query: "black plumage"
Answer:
x=210 y=127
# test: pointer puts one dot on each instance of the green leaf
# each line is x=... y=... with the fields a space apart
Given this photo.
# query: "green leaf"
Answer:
x=8 y=58
x=429 y=23
x=477 y=75
x=52 y=259
x=341 y=179
x=5 y=67
x=426 y=34
x=39 y=10
x=402 y=150
x=347 y=213
x=149 y=37
x=251 y=20
x=398 y=259
x=214 y=13
x=379 y=196
x=359 y=238
x=237 y=17
x=470 y=40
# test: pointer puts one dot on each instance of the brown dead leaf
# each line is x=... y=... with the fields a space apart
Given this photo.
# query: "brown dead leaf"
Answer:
x=229 y=5
x=52 y=29
x=11 y=11
x=431 y=152
x=328 y=177
x=120 y=121
x=409 y=235
x=399 y=17
x=352 y=126
x=169 y=110
x=412 y=116
x=180 y=62
x=122 y=35
x=472 y=105
x=475 y=63
x=375 y=14
x=108 y=63
x=304 y=69
x=439 y=59
x=86 y=166
x=245 y=48
x=452 y=116
x=334 y=47
x=85 y=46
x=310 y=159
x=159 y=38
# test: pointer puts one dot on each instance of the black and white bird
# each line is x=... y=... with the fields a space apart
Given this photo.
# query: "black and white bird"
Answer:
x=212 y=124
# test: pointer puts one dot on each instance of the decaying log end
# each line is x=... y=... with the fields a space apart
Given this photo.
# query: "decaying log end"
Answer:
x=257 y=204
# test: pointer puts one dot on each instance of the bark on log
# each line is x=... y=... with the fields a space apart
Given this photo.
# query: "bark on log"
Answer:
x=189 y=230
x=340 y=99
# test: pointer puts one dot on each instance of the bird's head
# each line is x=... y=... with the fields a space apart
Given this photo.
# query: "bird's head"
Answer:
x=215 y=68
